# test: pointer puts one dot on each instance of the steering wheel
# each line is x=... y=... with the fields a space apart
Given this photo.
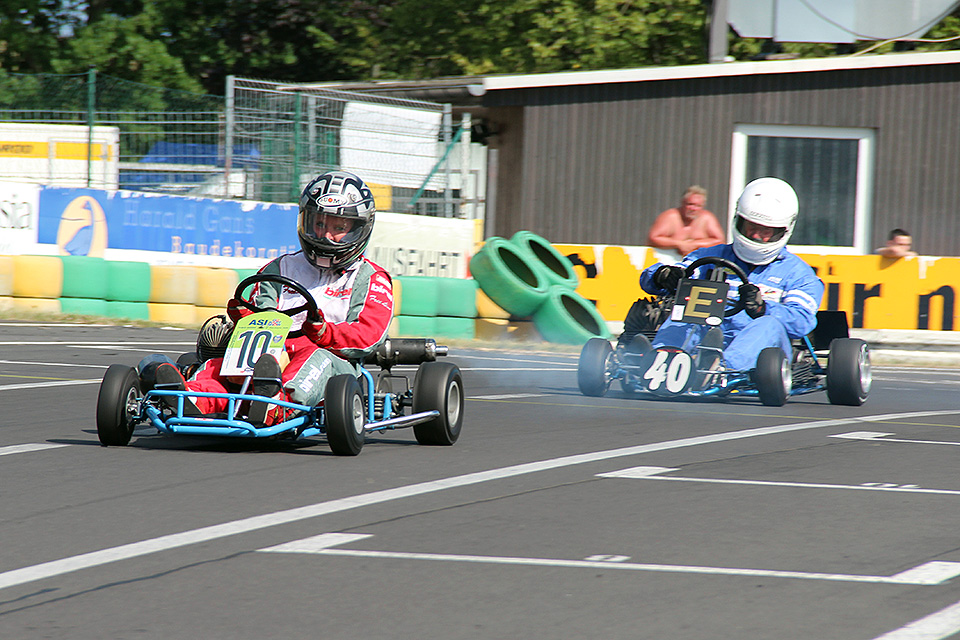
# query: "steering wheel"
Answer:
x=723 y=267
x=310 y=307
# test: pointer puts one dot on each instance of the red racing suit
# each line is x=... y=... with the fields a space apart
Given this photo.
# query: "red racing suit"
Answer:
x=357 y=304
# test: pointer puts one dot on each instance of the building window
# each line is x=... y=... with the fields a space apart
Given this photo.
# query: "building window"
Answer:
x=831 y=170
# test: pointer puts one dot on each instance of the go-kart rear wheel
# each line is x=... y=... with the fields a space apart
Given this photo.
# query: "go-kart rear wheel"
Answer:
x=774 y=377
x=849 y=376
x=344 y=415
x=438 y=387
x=118 y=405
x=592 y=376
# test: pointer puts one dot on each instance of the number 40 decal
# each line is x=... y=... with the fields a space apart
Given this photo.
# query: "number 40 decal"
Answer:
x=670 y=369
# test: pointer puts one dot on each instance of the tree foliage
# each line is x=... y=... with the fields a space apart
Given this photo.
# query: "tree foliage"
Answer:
x=188 y=44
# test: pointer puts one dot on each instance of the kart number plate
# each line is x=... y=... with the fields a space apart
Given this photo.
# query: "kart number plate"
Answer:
x=700 y=302
x=253 y=336
x=668 y=372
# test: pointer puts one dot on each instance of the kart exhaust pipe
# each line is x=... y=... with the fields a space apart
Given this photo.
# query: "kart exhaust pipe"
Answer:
x=396 y=351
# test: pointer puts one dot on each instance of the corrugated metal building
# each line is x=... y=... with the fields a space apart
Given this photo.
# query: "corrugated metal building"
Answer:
x=871 y=143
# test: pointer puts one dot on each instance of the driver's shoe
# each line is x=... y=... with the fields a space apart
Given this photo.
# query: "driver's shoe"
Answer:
x=266 y=382
x=169 y=378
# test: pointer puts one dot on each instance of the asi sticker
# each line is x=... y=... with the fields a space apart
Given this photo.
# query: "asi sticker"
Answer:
x=255 y=335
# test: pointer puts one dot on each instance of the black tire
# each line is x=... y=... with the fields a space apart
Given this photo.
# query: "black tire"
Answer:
x=849 y=376
x=438 y=386
x=566 y=317
x=505 y=275
x=118 y=405
x=344 y=415
x=774 y=377
x=592 y=376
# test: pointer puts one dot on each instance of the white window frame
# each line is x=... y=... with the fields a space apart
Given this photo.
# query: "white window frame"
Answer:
x=863 y=207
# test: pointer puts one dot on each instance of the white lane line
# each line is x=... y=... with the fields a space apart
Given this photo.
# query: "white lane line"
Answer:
x=508 y=396
x=574 y=368
x=72 y=343
x=254 y=523
x=653 y=473
x=882 y=437
x=509 y=359
x=936 y=626
x=54 y=383
x=26 y=448
x=53 y=364
x=927 y=574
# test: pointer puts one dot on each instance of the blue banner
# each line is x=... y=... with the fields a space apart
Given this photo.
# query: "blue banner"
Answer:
x=87 y=221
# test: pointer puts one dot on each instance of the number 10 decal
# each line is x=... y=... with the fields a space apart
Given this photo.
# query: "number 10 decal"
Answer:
x=670 y=370
x=257 y=347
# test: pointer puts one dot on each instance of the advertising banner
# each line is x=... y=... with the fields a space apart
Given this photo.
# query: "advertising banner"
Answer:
x=162 y=229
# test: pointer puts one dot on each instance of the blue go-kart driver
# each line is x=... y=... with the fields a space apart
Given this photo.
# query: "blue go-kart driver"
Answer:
x=780 y=299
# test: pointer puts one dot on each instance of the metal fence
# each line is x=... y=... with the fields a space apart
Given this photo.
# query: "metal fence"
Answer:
x=262 y=141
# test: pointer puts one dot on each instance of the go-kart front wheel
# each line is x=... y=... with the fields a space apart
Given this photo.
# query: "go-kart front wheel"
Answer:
x=438 y=387
x=849 y=377
x=344 y=415
x=773 y=376
x=118 y=405
x=592 y=376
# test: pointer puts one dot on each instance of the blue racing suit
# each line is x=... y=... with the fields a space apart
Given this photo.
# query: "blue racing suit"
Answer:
x=791 y=292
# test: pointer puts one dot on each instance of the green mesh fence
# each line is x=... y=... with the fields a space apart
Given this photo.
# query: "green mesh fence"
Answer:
x=262 y=141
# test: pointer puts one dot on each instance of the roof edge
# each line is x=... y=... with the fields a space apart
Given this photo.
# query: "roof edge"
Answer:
x=642 y=74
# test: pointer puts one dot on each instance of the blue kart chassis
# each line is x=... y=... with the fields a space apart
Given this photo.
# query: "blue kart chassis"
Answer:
x=308 y=422
x=726 y=382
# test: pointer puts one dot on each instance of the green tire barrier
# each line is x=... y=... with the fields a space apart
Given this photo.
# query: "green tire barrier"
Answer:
x=569 y=318
x=128 y=282
x=457 y=298
x=505 y=275
x=131 y=310
x=84 y=277
x=553 y=265
x=84 y=306
x=413 y=326
x=461 y=328
x=420 y=296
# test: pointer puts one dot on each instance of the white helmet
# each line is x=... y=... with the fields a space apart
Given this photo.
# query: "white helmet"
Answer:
x=770 y=202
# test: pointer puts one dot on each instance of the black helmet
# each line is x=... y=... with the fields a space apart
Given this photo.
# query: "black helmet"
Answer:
x=340 y=195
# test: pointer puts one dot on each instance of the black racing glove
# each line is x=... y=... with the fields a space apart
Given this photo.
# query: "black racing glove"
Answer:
x=753 y=302
x=668 y=277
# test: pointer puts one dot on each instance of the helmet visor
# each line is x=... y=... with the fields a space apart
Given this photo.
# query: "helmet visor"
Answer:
x=758 y=232
x=332 y=229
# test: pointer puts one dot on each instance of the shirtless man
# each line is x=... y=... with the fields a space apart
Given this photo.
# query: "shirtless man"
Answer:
x=687 y=227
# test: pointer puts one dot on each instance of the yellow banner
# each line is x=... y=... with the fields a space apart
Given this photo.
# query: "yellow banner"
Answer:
x=876 y=292
x=61 y=150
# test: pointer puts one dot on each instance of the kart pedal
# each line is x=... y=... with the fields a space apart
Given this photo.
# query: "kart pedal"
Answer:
x=266 y=382
x=169 y=379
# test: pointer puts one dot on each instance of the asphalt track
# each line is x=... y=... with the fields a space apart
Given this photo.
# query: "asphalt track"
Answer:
x=555 y=516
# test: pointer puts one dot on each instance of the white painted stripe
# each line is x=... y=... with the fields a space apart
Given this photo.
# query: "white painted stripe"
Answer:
x=214 y=532
x=936 y=626
x=881 y=437
x=573 y=368
x=931 y=573
x=508 y=396
x=651 y=473
x=115 y=343
x=509 y=358
x=54 y=364
x=54 y=383
x=27 y=448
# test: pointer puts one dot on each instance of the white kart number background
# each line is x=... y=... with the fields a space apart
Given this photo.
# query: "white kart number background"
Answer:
x=253 y=336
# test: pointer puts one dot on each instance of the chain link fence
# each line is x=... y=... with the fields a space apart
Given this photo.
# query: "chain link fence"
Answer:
x=262 y=141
